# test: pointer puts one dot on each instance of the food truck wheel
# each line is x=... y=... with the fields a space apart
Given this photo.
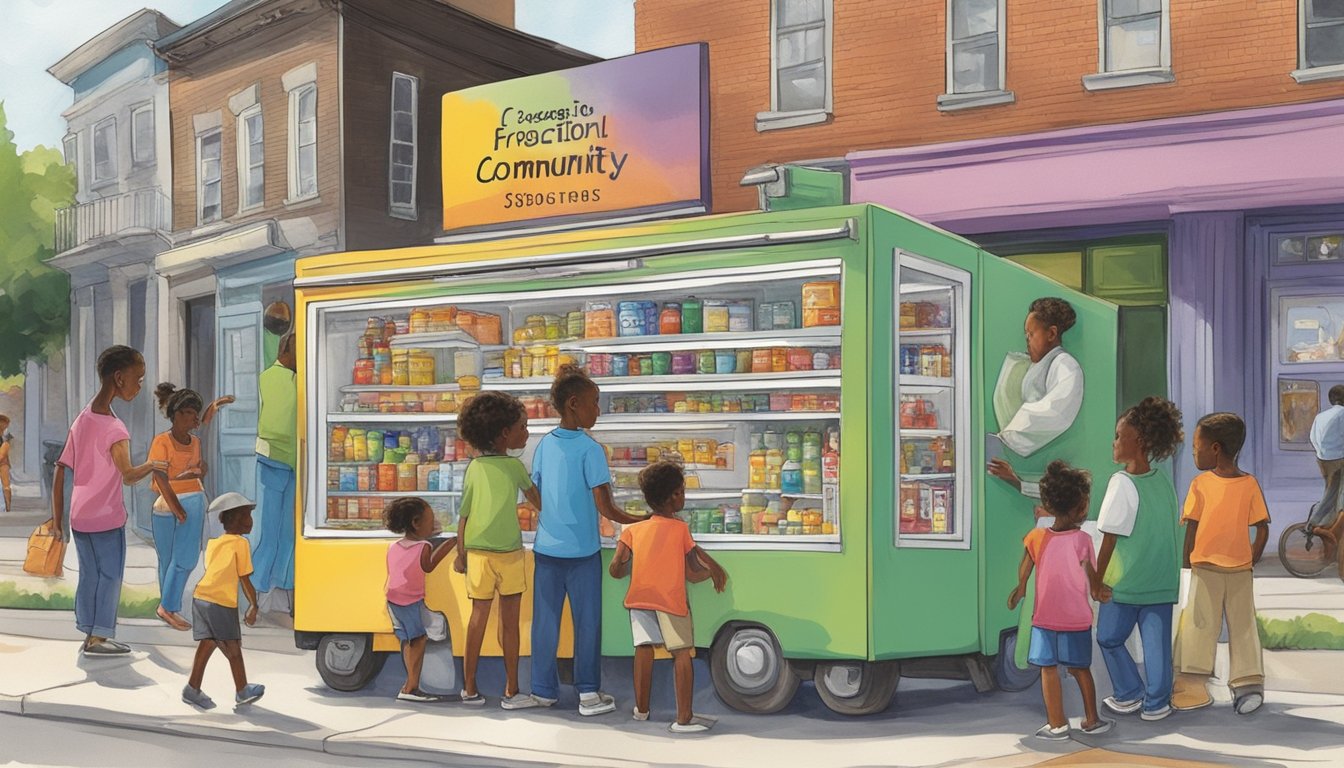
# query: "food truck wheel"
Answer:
x=1006 y=672
x=857 y=687
x=348 y=662
x=749 y=670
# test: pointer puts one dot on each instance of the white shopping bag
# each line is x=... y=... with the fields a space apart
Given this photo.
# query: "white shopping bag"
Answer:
x=1184 y=598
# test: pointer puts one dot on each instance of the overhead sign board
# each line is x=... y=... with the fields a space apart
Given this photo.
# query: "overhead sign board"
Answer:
x=624 y=137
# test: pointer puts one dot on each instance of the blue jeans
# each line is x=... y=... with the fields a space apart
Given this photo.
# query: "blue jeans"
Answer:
x=1115 y=622
x=178 y=546
x=273 y=540
x=581 y=579
x=102 y=563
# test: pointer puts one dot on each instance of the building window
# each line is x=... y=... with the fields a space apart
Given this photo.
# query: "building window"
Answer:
x=401 y=173
x=1320 y=43
x=71 y=146
x=1135 y=44
x=142 y=135
x=105 y=150
x=208 y=176
x=975 y=54
x=303 y=142
x=800 y=53
x=251 y=160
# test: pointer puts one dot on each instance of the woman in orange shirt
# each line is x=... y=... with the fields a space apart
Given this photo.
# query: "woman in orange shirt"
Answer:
x=179 y=512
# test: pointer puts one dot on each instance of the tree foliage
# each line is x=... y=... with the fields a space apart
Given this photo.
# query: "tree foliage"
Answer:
x=34 y=298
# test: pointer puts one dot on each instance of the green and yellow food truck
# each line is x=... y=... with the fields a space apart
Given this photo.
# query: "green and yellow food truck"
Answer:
x=826 y=377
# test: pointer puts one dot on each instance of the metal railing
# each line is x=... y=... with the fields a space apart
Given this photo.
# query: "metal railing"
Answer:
x=138 y=211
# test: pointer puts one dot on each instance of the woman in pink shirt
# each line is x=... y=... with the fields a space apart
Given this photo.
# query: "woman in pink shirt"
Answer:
x=98 y=451
x=1061 y=622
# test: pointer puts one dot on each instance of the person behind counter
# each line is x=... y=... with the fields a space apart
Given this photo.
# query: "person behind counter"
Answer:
x=1052 y=389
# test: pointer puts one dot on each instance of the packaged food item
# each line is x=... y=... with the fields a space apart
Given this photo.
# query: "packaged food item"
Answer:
x=800 y=359
x=363 y=373
x=716 y=316
x=821 y=294
x=760 y=361
x=926 y=314
x=336 y=443
x=705 y=449
x=421 y=366
x=442 y=318
x=599 y=320
x=419 y=321
x=743 y=361
x=645 y=365
x=783 y=316
x=630 y=318
x=739 y=316
x=692 y=315
x=683 y=363
x=662 y=363
x=375 y=443
x=669 y=320
x=725 y=361
x=813 y=318
x=574 y=322
x=779 y=359
x=620 y=365
x=705 y=361
x=366 y=477
x=553 y=324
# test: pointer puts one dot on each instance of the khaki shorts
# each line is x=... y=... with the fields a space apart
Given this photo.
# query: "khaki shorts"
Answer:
x=491 y=573
x=658 y=628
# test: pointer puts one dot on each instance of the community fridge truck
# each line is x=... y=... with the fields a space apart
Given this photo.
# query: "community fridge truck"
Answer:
x=825 y=375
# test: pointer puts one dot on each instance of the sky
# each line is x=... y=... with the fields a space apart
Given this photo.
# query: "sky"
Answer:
x=37 y=33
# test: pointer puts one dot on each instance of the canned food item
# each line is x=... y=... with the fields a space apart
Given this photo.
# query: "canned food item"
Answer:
x=705 y=361
x=421 y=368
x=366 y=478
x=669 y=320
x=725 y=361
x=760 y=361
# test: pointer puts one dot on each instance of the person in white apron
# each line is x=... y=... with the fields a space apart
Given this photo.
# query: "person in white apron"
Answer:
x=1051 y=391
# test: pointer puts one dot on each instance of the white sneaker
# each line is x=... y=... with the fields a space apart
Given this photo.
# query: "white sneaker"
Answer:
x=698 y=724
x=519 y=701
x=1156 y=714
x=1121 y=707
x=641 y=716
x=597 y=703
x=542 y=701
x=1053 y=734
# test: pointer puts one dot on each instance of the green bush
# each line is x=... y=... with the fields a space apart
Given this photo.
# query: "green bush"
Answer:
x=1311 y=632
x=132 y=606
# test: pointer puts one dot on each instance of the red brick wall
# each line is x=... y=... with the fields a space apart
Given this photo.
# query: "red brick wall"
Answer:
x=889 y=70
x=206 y=84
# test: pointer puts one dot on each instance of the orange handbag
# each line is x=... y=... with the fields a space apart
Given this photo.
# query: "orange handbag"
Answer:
x=45 y=552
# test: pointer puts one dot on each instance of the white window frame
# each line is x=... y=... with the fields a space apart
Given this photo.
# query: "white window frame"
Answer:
x=403 y=210
x=1128 y=78
x=1305 y=73
x=70 y=148
x=775 y=119
x=200 y=176
x=245 y=169
x=136 y=160
x=296 y=193
x=98 y=128
x=952 y=101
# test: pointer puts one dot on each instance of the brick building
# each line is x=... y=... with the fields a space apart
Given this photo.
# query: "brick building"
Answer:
x=302 y=127
x=1177 y=157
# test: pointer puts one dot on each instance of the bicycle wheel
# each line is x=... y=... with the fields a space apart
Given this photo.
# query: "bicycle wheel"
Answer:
x=1303 y=553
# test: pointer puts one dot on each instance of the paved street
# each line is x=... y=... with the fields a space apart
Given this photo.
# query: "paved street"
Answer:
x=931 y=722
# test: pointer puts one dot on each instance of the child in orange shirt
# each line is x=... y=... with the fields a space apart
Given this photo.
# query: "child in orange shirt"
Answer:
x=665 y=558
x=1223 y=503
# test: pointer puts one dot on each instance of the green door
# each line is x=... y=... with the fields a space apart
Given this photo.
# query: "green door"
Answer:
x=1005 y=515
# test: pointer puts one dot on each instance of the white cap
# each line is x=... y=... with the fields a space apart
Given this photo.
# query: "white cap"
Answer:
x=227 y=501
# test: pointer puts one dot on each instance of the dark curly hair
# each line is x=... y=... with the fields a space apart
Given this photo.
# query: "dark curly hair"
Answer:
x=1158 y=422
x=228 y=519
x=117 y=358
x=659 y=481
x=1052 y=310
x=400 y=513
x=570 y=381
x=1063 y=487
x=1225 y=429
x=171 y=399
x=485 y=417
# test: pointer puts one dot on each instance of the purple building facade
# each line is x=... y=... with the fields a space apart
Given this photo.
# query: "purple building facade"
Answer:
x=1249 y=207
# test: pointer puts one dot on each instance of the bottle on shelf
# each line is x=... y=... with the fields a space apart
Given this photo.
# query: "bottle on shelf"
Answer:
x=791 y=476
x=756 y=462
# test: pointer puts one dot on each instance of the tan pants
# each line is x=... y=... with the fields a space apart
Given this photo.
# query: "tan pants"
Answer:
x=1215 y=592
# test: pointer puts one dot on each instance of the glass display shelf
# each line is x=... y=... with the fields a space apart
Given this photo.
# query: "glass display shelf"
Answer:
x=824 y=336
x=606 y=420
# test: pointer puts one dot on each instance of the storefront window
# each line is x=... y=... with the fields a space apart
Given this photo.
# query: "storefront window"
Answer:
x=1299 y=401
x=1297 y=249
x=1311 y=329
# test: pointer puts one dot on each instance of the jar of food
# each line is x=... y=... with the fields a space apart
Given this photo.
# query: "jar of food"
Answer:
x=401 y=368
x=363 y=373
x=630 y=318
x=421 y=368
x=669 y=320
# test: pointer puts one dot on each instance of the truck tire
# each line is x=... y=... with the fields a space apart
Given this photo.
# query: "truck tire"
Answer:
x=1006 y=672
x=749 y=670
x=857 y=687
x=348 y=662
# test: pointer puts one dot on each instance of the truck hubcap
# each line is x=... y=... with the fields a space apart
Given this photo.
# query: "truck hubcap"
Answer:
x=844 y=680
x=343 y=654
x=753 y=664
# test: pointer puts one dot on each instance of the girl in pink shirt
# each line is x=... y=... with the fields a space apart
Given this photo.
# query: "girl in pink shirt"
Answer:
x=98 y=451
x=408 y=560
x=1061 y=624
